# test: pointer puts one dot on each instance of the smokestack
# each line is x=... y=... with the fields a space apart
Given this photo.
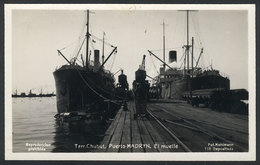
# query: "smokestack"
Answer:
x=172 y=56
x=96 y=58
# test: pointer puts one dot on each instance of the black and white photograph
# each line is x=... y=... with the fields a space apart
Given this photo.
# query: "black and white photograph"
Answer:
x=130 y=82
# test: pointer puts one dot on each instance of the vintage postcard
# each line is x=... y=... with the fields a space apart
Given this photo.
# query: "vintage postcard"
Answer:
x=130 y=82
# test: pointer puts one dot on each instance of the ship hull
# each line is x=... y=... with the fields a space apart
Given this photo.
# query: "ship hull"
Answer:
x=174 y=89
x=78 y=89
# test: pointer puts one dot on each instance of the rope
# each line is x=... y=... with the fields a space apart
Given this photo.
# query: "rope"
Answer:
x=93 y=89
x=181 y=58
x=184 y=31
x=98 y=94
x=79 y=61
x=83 y=28
x=165 y=49
x=183 y=54
x=184 y=62
x=154 y=65
x=79 y=51
x=175 y=30
x=113 y=60
x=92 y=81
x=68 y=45
x=92 y=45
x=103 y=89
x=101 y=40
x=196 y=30
x=194 y=59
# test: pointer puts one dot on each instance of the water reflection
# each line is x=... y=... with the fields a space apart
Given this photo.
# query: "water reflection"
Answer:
x=68 y=136
x=34 y=123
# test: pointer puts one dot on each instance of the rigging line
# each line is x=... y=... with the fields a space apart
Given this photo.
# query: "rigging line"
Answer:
x=98 y=86
x=79 y=50
x=93 y=89
x=93 y=83
x=101 y=40
x=76 y=48
x=84 y=25
x=69 y=45
x=207 y=60
x=182 y=56
x=83 y=33
x=181 y=59
x=200 y=37
x=165 y=49
x=181 y=66
x=113 y=60
x=91 y=41
x=184 y=34
x=154 y=65
x=175 y=29
x=92 y=45
x=196 y=30
x=198 y=48
x=80 y=61
x=194 y=58
x=184 y=62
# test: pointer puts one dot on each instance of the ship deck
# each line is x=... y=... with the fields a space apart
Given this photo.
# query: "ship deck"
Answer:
x=174 y=127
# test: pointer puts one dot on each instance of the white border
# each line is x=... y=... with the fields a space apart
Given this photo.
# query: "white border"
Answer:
x=248 y=156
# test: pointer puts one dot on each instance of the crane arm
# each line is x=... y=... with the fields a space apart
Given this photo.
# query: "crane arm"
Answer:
x=160 y=59
x=142 y=66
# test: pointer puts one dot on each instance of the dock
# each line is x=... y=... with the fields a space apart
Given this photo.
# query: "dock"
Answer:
x=142 y=135
x=174 y=127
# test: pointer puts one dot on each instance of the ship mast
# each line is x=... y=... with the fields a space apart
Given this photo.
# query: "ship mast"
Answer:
x=103 y=48
x=164 y=45
x=87 y=38
x=188 y=46
x=192 y=47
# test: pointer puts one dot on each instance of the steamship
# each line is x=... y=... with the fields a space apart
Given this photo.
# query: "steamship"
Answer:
x=84 y=91
x=176 y=82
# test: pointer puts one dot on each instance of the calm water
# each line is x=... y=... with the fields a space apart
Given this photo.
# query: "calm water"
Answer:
x=36 y=130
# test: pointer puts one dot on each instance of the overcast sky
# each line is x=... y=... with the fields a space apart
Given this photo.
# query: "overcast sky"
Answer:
x=37 y=34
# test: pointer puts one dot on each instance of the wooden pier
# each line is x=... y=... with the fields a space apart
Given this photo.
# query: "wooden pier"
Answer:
x=199 y=128
x=141 y=135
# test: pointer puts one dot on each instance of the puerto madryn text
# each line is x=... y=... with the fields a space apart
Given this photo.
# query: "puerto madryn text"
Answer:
x=124 y=146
